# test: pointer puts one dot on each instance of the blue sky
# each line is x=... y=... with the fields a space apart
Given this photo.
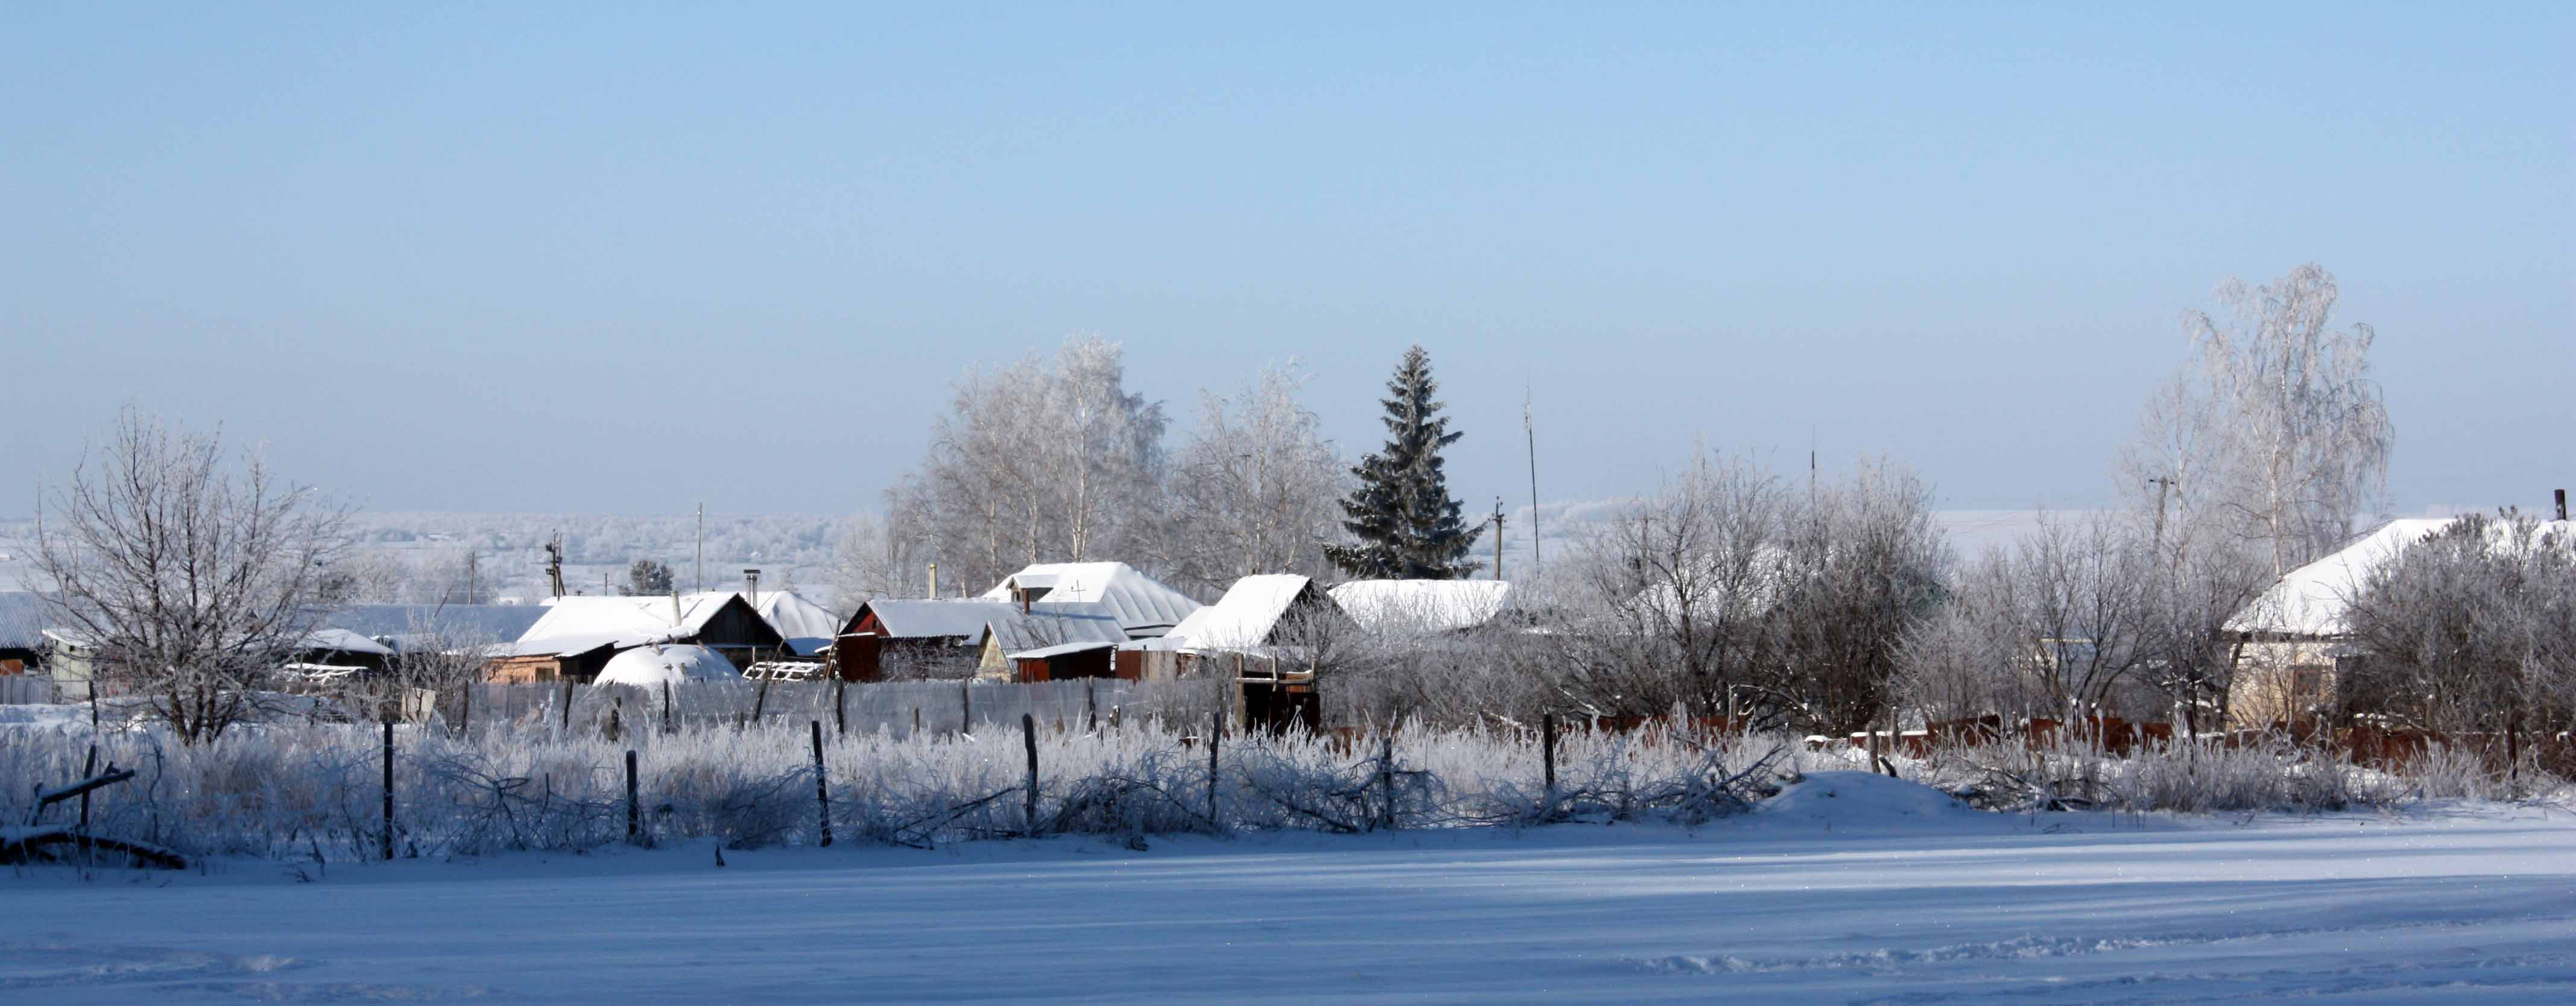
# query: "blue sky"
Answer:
x=621 y=259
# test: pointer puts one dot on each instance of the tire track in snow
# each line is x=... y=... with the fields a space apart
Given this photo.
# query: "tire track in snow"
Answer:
x=2036 y=947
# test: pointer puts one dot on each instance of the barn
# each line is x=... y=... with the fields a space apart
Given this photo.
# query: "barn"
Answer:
x=1074 y=630
x=1064 y=662
x=1262 y=633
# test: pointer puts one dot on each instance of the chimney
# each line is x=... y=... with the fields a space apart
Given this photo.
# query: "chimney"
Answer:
x=2562 y=504
x=1025 y=594
x=934 y=581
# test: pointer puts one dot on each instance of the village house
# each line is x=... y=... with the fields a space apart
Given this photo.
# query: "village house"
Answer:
x=1265 y=634
x=1146 y=607
x=2291 y=644
x=723 y=621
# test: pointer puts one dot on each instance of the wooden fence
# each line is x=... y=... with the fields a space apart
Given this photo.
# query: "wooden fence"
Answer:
x=26 y=690
x=899 y=708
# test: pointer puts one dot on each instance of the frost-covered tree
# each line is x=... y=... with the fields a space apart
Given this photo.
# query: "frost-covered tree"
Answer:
x=1253 y=489
x=1675 y=592
x=1404 y=523
x=195 y=576
x=1040 y=461
x=2471 y=630
x=868 y=562
x=2274 y=433
x=1863 y=566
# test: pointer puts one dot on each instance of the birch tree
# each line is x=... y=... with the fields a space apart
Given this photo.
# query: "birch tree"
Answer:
x=2274 y=430
x=1039 y=461
x=1253 y=489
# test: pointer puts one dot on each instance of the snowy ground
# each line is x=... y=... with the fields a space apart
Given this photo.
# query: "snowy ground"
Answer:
x=1870 y=894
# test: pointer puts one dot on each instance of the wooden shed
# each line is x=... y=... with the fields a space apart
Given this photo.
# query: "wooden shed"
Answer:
x=1064 y=662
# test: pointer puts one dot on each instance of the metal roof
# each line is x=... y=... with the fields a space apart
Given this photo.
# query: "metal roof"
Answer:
x=1143 y=605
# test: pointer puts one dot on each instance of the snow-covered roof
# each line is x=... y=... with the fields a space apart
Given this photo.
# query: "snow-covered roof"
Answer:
x=23 y=616
x=471 y=621
x=653 y=666
x=935 y=619
x=2312 y=600
x=1060 y=649
x=561 y=646
x=1051 y=624
x=1144 y=605
x=1246 y=615
x=686 y=615
x=344 y=641
x=1422 y=605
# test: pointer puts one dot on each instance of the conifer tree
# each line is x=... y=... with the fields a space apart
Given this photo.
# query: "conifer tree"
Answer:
x=1406 y=523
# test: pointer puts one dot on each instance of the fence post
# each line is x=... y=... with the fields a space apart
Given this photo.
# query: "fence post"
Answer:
x=389 y=791
x=760 y=700
x=633 y=821
x=1547 y=745
x=465 y=712
x=965 y=707
x=1091 y=703
x=1029 y=736
x=1216 y=729
x=616 y=706
x=89 y=770
x=567 y=706
x=841 y=706
x=823 y=793
x=666 y=708
x=1386 y=772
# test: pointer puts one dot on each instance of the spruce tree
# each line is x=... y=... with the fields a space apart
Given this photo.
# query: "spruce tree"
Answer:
x=1407 y=524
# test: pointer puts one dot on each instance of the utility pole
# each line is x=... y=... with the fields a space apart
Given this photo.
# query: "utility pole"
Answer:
x=554 y=564
x=1498 y=537
x=1537 y=563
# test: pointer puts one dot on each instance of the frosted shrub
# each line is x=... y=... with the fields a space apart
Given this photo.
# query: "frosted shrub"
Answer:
x=313 y=791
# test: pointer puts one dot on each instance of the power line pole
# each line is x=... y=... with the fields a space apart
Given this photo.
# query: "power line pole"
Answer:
x=1498 y=537
x=1537 y=562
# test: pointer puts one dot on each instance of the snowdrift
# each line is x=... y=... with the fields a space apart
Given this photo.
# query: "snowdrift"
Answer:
x=1869 y=803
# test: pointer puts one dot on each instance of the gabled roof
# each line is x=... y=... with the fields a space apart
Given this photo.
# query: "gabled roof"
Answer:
x=687 y=615
x=1047 y=625
x=1145 y=606
x=1422 y=605
x=493 y=622
x=23 y=618
x=1248 y=613
x=808 y=627
x=920 y=618
x=344 y=641
x=565 y=646
x=2312 y=600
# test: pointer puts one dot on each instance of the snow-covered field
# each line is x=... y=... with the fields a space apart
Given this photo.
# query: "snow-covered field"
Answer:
x=1848 y=888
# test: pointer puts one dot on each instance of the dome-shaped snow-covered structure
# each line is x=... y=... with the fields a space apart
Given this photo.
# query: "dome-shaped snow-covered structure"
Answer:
x=651 y=667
